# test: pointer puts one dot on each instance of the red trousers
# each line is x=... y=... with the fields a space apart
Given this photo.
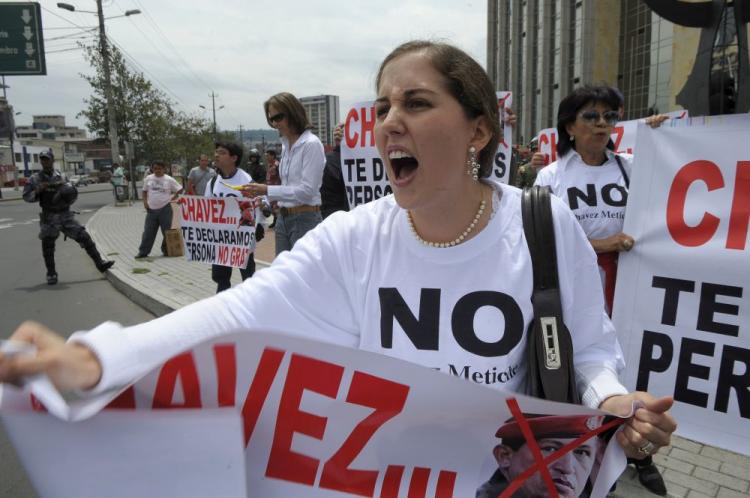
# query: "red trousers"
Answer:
x=608 y=265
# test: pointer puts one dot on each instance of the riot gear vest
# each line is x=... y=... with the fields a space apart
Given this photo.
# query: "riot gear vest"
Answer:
x=50 y=199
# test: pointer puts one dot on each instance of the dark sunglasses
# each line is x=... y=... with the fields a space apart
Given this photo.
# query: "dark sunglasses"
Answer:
x=591 y=116
x=277 y=117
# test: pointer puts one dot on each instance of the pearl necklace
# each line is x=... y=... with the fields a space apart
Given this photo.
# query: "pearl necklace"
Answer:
x=455 y=241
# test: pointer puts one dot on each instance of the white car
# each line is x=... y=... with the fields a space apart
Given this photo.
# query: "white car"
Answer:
x=80 y=180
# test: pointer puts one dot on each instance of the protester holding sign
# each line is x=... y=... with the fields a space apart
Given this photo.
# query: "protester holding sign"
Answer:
x=594 y=182
x=589 y=177
x=227 y=157
x=437 y=274
x=301 y=171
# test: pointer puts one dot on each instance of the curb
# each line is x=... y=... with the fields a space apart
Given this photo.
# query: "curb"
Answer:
x=117 y=278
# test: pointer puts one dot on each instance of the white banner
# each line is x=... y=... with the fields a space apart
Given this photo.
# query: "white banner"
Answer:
x=623 y=136
x=501 y=166
x=363 y=169
x=218 y=230
x=364 y=172
x=682 y=303
x=325 y=421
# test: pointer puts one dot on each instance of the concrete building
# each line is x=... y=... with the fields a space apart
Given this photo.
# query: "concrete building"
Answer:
x=49 y=127
x=323 y=112
x=542 y=49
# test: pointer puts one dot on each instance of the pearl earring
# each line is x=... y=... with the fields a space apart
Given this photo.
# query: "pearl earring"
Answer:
x=472 y=166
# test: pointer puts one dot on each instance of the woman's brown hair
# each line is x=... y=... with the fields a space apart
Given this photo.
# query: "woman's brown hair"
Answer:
x=466 y=81
x=291 y=106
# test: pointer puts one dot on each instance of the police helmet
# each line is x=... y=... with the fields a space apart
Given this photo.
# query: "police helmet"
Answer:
x=253 y=152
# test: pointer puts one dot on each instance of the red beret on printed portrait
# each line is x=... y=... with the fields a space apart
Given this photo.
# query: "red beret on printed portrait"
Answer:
x=550 y=426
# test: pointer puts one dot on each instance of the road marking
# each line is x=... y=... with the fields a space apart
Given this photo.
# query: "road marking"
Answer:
x=3 y=220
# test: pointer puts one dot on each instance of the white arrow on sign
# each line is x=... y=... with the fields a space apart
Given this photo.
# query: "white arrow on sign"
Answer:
x=29 y=49
x=26 y=16
x=27 y=33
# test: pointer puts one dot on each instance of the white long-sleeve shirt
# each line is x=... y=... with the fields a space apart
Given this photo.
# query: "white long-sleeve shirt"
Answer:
x=361 y=279
x=301 y=172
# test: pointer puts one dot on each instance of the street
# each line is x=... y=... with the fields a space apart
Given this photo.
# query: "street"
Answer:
x=82 y=299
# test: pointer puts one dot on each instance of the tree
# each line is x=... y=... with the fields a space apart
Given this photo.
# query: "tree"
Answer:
x=144 y=114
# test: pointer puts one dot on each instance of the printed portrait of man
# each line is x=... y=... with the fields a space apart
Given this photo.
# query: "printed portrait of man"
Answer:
x=570 y=473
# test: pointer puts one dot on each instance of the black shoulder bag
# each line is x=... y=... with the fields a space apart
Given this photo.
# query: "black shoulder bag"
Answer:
x=551 y=374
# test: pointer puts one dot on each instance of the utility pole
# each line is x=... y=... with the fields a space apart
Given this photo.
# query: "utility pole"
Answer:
x=104 y=50
x=239 y=135
x=12 y=136
x=213 y=109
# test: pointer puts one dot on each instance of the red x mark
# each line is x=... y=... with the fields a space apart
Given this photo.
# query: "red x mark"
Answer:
x=541 y=462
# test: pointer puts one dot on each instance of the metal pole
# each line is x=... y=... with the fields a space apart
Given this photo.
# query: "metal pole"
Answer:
x=113 y=141
x=213 y=108
x=12 y=135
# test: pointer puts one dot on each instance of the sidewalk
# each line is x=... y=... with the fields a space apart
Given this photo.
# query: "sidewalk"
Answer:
x=162 y=284
x=159 y=284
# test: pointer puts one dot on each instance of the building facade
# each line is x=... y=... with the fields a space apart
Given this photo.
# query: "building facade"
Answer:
x=50 y=127
x=323 y=112
x=543 y=49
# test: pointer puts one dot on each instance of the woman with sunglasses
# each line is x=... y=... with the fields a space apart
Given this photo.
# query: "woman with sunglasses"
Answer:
x=438 y=274
x=594 y=182
x=590 y=177
x=301 y=171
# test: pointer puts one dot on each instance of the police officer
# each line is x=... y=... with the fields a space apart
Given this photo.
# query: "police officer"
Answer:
x=254 y=167
x=55 y=196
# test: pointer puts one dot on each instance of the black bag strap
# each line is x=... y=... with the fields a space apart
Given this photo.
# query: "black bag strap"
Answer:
x=550 y=347
x=622 y=170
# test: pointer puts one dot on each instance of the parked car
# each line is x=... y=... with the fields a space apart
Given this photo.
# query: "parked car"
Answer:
x=22 y=180
x=80 y=180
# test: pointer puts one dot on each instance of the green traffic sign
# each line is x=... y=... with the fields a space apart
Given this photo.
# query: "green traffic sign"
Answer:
x=21 y=40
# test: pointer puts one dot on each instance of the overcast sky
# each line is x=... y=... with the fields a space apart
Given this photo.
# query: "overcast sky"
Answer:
x=245 y=51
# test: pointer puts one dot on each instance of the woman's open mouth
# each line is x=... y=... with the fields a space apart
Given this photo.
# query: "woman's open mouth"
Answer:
x=404 y=165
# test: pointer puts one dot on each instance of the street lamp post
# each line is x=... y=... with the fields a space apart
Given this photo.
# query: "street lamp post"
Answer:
x=104 y=51
x=213 y=109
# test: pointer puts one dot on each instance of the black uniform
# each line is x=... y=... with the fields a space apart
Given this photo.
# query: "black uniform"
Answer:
x=55 y=201
x=332 y=189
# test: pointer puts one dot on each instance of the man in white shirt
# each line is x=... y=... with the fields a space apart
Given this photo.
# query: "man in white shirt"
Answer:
x=159 y=189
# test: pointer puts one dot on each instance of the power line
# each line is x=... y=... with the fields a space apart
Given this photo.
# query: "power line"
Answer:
x=61 y=17
x=122 y=50
x=72 y=36
x=140 y=68
x=169 y=44
x=62 y=50
x=67 y=27
x=156 y=47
